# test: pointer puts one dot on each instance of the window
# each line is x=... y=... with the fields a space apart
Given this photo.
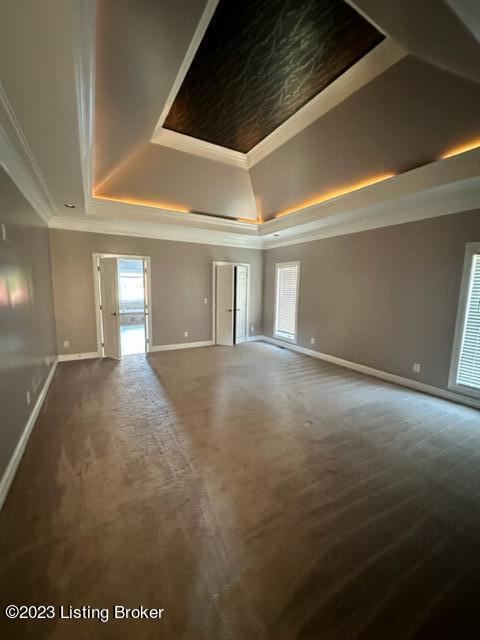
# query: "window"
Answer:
x=286 y=300
x=465 y=372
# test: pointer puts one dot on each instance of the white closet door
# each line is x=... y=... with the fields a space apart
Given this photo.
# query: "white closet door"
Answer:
x=241 y=305
x=224 y=304
x=110 y=307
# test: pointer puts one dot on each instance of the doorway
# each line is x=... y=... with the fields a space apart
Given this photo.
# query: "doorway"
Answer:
x=122 y=295
x=231 y=289
x=131 y=291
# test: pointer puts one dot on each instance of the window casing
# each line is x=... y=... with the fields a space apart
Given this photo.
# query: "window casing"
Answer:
x=465 y=366
x=287 y=284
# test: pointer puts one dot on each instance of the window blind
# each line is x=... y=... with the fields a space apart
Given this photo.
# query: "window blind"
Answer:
x=286 y=301
x=468 y=372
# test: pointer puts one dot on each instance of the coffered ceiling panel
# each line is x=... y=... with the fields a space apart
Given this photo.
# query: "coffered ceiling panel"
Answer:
x=262 y=60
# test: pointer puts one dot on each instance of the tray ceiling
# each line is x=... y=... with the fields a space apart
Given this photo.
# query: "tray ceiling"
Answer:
x=260 y=61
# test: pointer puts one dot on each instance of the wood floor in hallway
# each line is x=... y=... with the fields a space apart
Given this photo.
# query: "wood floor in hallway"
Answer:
x=251 y=493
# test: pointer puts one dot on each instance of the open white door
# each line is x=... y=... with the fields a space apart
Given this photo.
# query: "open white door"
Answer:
x=224 y=304
x=110 y=307
x=241 y=304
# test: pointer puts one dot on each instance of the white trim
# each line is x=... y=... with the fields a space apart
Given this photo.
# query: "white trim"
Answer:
x=147 y=277
x=67 y=357
x=241 y=234
x=182 y=345
x=377 y=373
x=219 y=263
x=203 y=23
x=19 y=162
x=148 y=298
x=84 y=29
x=259 y=338
x=472 y=248
x=374 y=63
x=10 y=471
x=278 y=265
x=142 y=212
x=98 y=315
x=202 y=148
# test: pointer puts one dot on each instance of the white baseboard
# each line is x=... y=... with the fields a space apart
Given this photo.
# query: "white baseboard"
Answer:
x=12 y=466
x=181 y=345
x=66 y=357
x=377 y=373
x=255 y=338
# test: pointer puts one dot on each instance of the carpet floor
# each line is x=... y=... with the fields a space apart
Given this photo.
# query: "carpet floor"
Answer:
x=251 y=493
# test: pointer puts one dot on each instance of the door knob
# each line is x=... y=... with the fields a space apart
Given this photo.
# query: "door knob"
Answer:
x=229 y=310
x=114 y=313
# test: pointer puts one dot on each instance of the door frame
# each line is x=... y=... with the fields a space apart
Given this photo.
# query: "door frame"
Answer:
x=219 y=263
x=147 y=293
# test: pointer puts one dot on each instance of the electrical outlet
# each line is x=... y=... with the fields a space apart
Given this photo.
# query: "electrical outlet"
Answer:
x=416 y=367
x=28 y=397
x=66 y=343
x=185 y=333
x=4 y=233
x=252 y=329
x=205 y=300
x=312 y=340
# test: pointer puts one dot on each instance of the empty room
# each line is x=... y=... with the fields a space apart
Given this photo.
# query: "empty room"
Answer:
x=239 y=319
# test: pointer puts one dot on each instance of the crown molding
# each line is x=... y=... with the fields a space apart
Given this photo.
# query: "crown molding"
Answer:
x=181 y=142
x=155 y=230
x=111 y=209
x=187 y=61
x=19 y=162
x=83 y=17
x=376 y=62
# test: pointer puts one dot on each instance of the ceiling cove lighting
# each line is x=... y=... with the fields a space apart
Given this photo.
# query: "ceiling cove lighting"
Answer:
x=144 y=203
x=249 y=220
x=468 y=146
x=330 y=195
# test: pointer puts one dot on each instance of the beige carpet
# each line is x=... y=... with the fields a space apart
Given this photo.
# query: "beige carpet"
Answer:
x=252 y=493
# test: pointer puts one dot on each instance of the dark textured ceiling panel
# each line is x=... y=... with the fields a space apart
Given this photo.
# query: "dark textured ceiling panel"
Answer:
x=262 y=60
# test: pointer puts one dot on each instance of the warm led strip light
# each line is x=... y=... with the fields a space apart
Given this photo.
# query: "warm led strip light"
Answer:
x=144 y=203
x=468 y=146
x=330 y=195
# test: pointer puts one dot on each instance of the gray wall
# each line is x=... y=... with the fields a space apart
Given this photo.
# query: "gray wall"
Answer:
x=27 y=331
x=384 y=298
x=181 y=279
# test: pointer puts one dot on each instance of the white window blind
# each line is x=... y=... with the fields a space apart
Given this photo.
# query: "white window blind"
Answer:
x=287 y=278
x=468 y=372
